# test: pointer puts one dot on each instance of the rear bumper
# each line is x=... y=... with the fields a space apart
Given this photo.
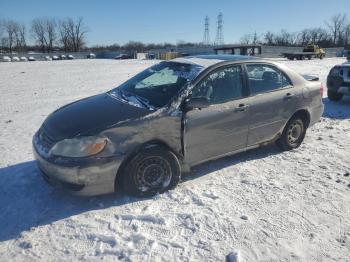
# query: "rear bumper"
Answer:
x=316 y=113
x=81 y=179
x=338 y=84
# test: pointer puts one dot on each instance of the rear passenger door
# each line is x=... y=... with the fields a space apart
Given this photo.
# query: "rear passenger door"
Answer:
x=272 y=101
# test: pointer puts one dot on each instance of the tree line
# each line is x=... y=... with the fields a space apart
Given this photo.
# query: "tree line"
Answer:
x=67 y=34
x=335 y=33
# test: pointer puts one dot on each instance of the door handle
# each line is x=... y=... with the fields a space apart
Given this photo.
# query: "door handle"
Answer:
x=241 y=108
x=288 y=96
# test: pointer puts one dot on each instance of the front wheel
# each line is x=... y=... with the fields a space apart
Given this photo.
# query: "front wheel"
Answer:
x=151 y=171
x=334 y=96
x=293 y=134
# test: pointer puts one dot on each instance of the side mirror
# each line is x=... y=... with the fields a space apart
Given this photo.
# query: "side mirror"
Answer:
x=197 y=102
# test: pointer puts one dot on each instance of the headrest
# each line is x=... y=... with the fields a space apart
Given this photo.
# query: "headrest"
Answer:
x=270 y=76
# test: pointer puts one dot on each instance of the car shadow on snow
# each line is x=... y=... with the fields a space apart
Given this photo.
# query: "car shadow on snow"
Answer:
x=337 y=109
x=221 y=163
x=26 y=201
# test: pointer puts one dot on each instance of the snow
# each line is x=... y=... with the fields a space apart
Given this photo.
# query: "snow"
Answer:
x=263 y=205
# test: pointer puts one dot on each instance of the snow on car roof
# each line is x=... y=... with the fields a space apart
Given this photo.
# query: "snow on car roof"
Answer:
x=209 y=60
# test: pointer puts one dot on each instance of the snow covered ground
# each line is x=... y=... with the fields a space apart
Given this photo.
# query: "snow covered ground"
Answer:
x=264 y=205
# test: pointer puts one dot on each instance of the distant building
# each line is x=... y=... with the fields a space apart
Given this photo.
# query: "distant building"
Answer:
x=266 y=50
x=254 y=50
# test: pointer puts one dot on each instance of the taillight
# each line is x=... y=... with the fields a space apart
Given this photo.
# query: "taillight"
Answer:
x=321 y=89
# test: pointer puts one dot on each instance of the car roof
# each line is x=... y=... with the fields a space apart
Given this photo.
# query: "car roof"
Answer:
x=209 y=60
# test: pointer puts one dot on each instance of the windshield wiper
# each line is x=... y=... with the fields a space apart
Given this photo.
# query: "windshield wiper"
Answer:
x=143 y=101
x=118 y=94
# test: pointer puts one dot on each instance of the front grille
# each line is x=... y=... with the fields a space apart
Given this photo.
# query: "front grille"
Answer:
x=45 y=140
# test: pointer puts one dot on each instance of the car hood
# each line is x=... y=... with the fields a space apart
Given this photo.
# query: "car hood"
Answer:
x=89 y=116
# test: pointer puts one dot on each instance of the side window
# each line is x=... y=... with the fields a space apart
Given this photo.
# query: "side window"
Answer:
x=265 y=78
x=221 y=86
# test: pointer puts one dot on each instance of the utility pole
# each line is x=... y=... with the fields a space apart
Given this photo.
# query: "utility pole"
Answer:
x=206 y=36
x=219 y=40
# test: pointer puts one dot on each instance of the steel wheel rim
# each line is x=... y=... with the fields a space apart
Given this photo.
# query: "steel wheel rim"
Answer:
x=294 y=132
x=153 y=173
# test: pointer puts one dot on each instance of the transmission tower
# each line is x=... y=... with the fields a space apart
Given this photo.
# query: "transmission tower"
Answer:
x=219 y=40
x=206 y=36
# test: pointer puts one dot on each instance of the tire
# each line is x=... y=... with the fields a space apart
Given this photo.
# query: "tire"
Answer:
x=293 y=134
x=151 y=171
x=334 y=96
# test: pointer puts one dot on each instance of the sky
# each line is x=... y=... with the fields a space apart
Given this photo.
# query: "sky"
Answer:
x=158 y=21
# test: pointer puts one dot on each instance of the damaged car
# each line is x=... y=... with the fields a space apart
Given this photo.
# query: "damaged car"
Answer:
x=141 y=136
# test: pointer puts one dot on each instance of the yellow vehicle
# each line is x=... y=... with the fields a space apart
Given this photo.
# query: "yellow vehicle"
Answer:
x=310 y=51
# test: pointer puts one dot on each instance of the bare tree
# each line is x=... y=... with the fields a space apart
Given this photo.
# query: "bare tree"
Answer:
x=44 y=32
x=335 y=26
x=246 y=39
x=1 y=28
x=72 y=34
x=10 y=28
x=79 y=34
x=269 y=38
x=20 y=37
x=50 y=31
x=38 y=29
x=63 y=35
x=346 y=35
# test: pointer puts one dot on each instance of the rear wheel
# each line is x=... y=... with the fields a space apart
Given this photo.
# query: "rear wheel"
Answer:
x=293 y=134
x=151 y=171
x=334 y=96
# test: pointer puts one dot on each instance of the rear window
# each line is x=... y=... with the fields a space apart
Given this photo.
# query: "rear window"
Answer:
x=265 y=78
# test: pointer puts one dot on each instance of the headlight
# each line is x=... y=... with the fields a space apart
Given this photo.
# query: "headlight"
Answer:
x=335 y=72
x=79 y=147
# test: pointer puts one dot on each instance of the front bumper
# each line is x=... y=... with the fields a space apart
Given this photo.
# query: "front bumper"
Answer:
x=85 y=177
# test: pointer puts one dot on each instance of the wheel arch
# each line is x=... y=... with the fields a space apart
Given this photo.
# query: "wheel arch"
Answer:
x=304 y=114
x=149 y=144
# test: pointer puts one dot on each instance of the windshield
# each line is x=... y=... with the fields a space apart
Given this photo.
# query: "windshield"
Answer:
x=157 y=85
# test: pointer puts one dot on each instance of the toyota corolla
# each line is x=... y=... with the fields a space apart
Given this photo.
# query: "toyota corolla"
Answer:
x=142 y=135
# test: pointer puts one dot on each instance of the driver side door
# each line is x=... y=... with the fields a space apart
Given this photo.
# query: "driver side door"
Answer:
x=222 y=127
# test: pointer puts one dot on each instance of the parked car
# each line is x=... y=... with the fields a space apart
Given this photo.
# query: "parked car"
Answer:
x=91 y=56
x=23 y=59
x=6 y=59
x=47 y=58
x=143 y=134
x=122 y=57
x=338 y=81
x=70 y=57
x=55 y=58
x=63 y=57
x=31 y=58
x=15 y=59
